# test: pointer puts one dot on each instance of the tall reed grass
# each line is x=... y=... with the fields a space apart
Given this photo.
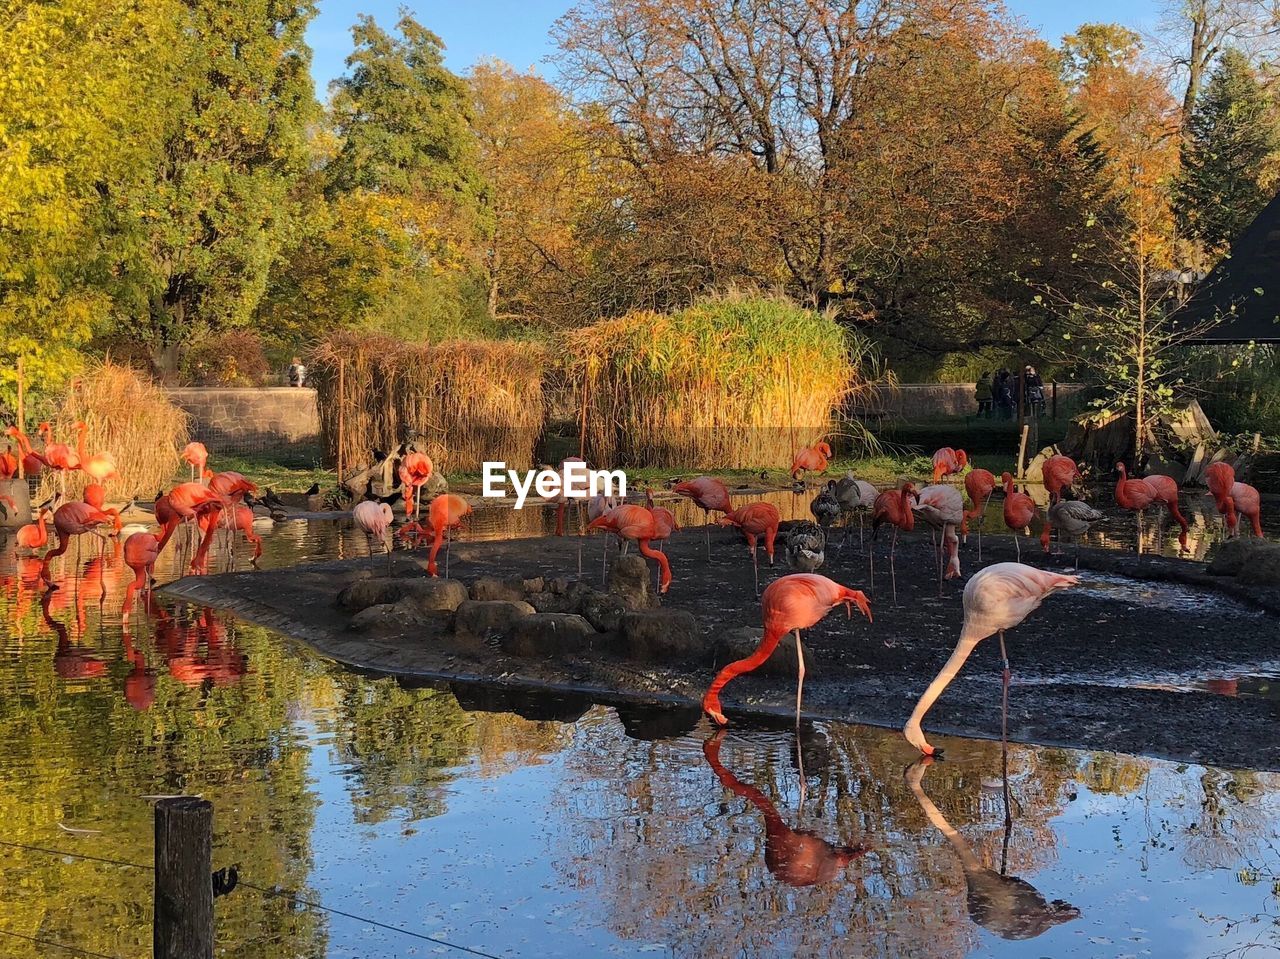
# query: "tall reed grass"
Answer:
x=129 y=417
x=729 y=382
x=472 y=400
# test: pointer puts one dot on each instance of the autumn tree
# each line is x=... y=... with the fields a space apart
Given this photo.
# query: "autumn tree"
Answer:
x=1194 y=33
x=1226 y=177
x=535 y=155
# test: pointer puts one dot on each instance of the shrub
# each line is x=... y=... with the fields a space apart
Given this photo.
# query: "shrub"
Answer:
x=234 y=358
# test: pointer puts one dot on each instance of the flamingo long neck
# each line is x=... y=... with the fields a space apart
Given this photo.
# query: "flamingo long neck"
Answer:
x=435 y=546
x=659 y=557
x=949 y=671
x=773 y=633
x=964 y=852
x=82 y=430
x=773 y=821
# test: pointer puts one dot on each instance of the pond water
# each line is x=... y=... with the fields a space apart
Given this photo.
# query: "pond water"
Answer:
x=522 y=826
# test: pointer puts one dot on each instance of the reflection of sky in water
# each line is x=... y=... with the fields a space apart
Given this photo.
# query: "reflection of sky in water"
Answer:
x=539 y=838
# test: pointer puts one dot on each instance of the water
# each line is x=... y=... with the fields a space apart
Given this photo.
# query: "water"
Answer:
x=560 y=828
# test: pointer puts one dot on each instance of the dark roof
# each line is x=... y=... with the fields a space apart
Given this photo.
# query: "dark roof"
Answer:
x=1244 y=288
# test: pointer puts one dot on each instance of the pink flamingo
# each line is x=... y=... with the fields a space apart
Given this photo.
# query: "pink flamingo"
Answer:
x=792 y=603
x=375 y=519
x=811 y=459
x=756 y=520
x=636 y=524
x=893 y=506
x=1234 y=499
x=711 y=495
x=947 y=462
x=996 y=598
x=35 y=536
x=32 y=462
x=197 y=457
x=445 y=513
x=942 y=507
x=141 y=550
x=414 y=472
x=1019 y=510
x=1059 y=473
x=979 y=484
x=72 y=519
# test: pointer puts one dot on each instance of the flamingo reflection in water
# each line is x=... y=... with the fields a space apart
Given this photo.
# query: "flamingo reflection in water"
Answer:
x=797 y=857
x=70 y=660
x=1006 y=906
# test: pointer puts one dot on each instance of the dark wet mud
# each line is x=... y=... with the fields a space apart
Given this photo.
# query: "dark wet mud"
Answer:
x=1139 y=658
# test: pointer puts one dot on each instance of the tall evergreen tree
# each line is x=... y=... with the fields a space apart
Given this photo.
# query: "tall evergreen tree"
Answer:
x=219 y=208
x=1230 y=136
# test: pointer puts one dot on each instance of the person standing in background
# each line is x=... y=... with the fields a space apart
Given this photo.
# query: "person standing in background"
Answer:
x=1034 y=386
x=297 y=373
x=982 y=393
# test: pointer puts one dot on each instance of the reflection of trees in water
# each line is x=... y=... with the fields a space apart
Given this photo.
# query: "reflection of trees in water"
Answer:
x=661 y=841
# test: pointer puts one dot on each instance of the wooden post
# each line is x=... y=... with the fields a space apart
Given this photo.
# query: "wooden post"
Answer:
x=183 y=920
x=582 y=423
x=342 y=402
x=1055 y=400
x=791 y=419
x=22 y=409
x=1022 y=412
x=1022 y=451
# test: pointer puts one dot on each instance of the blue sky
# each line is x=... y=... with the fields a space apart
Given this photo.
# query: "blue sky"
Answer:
x=516 y=30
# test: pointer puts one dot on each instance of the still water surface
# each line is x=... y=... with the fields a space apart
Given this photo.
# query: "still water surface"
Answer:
x=539 y=827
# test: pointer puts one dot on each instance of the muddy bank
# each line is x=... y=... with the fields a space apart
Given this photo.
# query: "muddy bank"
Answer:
x=1111 y=665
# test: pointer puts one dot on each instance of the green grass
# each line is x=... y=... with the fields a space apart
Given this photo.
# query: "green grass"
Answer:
x=288 y=477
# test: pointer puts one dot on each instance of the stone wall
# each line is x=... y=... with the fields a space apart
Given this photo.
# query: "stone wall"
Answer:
x=274 y=420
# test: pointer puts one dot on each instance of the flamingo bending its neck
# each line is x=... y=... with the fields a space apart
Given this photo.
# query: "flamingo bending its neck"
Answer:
x=638 y=525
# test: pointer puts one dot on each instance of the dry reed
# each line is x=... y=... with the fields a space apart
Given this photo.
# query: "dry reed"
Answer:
x=726 y=383
x=130 y=418
x=472 y=400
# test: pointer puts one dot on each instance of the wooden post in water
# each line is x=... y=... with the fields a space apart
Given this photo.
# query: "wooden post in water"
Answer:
x=582 y=422
x=22 y=409
x=342 y=402
x=183 y=920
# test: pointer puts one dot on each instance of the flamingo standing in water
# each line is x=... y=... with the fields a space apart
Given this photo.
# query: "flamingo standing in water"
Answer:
x=893 y=506
x=141 y=550
x=996 y=598
x=1070 y=516
x=72 y=519
x=1234 y=499
x=796 y=857
x=811 y=459
x=1136 y=495
x=789 y=604
x=197 y=457
x=445 y=513
x=414 y=472
x=8 y=463
x=238 y=517
x=948 y=462
x=942 y=507
x=58 y=456
x=1060 y=473
x=1019 y=510
x=35 y=536
x=979 y=484
x=1166 y=490
x=854 y=496
x=636 y=524
x=756 y=520
x=375 y=519
x=711 y=495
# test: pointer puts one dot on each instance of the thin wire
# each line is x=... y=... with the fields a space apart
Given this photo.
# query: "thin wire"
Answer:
x=56 y=945
x=74 y=855
x=372 y=922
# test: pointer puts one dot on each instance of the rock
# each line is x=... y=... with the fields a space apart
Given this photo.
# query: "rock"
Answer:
x=742 y=642
x=490 y=588
x=485 y=618
x=16 y=489
x=434 y=486
x=650 y=722
x=662 y=635
x=1232 y=557
x=401 y=617
x=427 y=594
x=631 y=581
x=558 y=585
x=534 y=585
x=549 y=634
x=603 y=610
x=567 y=600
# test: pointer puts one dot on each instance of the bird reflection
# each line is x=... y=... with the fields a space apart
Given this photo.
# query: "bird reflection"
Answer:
x=1005 y=905
x=796 y=857
x=69 y=660
x=140 y=684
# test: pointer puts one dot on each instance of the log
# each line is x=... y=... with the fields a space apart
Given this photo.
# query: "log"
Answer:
x=183 y=919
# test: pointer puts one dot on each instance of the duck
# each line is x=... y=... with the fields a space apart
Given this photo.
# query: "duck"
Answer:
x=806 y=545
x=825 y=507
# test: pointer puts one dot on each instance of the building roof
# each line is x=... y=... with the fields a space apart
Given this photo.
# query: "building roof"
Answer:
x=1244 y=288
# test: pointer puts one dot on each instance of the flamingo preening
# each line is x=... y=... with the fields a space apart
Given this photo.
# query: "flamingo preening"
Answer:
x=1019 y=511
x=32 y=462
x=811 y=459
x=948 y=462
x=996 y=598
x=756 y=520
x=375 y=519
x=893 y=506
x=979 y=484
x=796 y=857
x=792 y=603
x=1070 y=516
x=35 y=536
x=414 y=472
x=197 y=457
x=8 y=463
x=636 y=524
x=711 y=495
x=58 y=457
x=1234 y=499
x=446 y=513
x=942 y=507
x=1060 y=473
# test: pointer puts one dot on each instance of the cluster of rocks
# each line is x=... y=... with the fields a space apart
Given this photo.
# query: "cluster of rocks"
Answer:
x=1248 y=560
x=544 y=617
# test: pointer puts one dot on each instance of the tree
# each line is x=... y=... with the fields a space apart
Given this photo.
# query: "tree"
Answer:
x=218 y=208
x=1195 y=32
x=535 y=155
x=1226 y=177
x=81 y=92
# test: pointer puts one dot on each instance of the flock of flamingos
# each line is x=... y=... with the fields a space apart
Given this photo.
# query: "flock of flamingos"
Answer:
x=997 y=598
